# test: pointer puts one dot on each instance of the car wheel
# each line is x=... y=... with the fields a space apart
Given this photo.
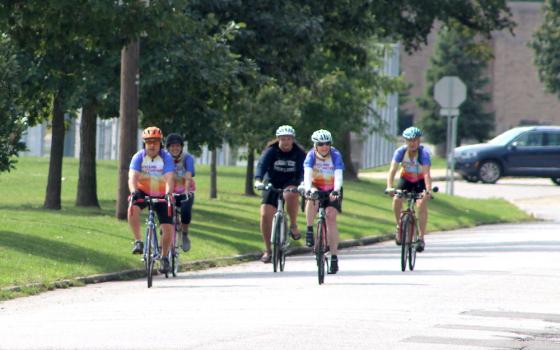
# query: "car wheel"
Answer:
x=470 y=178
x=489 y=172
x=556 y=180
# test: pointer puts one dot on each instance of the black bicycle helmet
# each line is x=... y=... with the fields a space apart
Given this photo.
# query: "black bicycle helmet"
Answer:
x=174 y=139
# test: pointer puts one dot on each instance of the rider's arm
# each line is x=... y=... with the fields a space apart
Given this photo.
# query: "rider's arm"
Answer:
x=133 y=177
x=169 y=182
x=307 y=178
x=427 y=177
x=337 y=180
x=391 y=174
x=263 y=164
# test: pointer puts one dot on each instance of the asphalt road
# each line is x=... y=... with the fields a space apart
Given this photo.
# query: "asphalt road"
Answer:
x=489 y=287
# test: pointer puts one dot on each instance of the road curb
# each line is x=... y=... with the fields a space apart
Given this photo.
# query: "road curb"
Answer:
x=187 y=266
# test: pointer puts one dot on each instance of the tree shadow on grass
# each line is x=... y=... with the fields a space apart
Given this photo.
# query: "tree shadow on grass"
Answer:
x=61 y=251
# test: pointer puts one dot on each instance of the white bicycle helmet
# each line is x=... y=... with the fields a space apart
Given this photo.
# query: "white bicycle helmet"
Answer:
x=321 y=136
x=285 y=130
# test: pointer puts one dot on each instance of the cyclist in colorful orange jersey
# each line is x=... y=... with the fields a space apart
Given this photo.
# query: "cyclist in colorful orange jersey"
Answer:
x=151 y=174
x=184 y=183
x=415 y=162
x=323 y=169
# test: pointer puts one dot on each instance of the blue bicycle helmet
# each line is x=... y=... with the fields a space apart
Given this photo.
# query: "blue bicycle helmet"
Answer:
x=412 y=133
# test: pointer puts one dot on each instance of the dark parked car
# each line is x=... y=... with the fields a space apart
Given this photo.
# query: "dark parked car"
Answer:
x=521 y=151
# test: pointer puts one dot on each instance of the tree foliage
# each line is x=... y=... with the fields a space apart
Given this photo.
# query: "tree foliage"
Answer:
x=11 y=109
x=546 y=45
x=460 y=53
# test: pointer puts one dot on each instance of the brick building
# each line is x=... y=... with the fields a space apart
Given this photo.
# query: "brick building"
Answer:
x=518 y=97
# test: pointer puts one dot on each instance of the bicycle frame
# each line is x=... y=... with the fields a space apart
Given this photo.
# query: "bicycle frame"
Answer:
x=409 y=239
x=278 y=235
x=321 y=243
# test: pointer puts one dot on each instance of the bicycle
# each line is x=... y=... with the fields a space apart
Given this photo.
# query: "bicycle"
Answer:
x=278 y=237
x=177 y=229
x=321 y=242
x=151 y=246
x=408 y=224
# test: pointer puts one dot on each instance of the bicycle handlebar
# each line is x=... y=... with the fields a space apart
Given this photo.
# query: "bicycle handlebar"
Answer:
x=152 y=201
x=269 y=187
x=410 y=194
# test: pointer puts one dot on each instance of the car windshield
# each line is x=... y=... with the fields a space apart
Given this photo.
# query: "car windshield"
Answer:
x=506 y=137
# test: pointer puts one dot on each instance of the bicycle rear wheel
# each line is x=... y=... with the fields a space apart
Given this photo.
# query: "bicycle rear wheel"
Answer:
x=275 y=241
x=405 y=240
x=149 y=256
x=412 y=247
x=320 y=250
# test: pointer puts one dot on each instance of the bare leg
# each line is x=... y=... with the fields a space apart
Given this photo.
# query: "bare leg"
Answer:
x=267 y=212
x=332 y=230
x=422 y=205
x=292 y=206
x=311 y=208
x=134 y=221
x=397 y=208
x=166 y=238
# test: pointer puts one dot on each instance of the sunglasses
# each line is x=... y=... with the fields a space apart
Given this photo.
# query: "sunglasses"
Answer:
x=319 y=144
x=152 y=142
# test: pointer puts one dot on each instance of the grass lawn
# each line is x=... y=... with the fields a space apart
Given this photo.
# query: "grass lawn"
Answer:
x=44 y=246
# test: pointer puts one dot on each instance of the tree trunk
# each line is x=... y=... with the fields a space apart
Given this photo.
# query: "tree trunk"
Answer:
x=128 y=127
x=350 y=173
x=213 y=175
x=54 y=182
x=87 y=180
x=250 y=173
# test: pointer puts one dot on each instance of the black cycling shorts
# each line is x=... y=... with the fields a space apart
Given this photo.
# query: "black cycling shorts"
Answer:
x=417 y=187
x=270 y=197
x=337 y=204
x=160 y=209
x=186 y=208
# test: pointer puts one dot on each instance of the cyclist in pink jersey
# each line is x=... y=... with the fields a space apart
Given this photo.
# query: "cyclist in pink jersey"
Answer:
x=184 y=183
x=322 y=170
x=415 y=176
x=151 y=174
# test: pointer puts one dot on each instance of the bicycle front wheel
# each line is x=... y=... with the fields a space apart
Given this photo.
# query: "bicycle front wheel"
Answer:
x=412 y=247
x=283 y=246
x=275 y=241
x=320 y=250
x=149 y=256
x=405 y=239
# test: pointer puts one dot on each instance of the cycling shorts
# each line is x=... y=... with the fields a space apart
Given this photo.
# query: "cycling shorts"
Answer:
x=159 y=208
x=186 y=208
x=405 y=185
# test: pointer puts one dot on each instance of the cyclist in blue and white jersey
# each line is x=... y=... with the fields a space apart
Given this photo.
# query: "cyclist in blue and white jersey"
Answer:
x=415 y=161
x=323 y=169
x=151 y=173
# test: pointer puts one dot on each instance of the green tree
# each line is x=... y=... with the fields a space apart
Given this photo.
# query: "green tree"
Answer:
x=57 y=37
x=460 y=53
x=546 y=45
x=11 y=110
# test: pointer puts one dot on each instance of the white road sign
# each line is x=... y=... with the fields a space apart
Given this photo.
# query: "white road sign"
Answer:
x=450 y=92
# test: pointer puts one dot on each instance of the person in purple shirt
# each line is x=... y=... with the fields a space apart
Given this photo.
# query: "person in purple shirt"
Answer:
x=415 y=162
x=151 y=174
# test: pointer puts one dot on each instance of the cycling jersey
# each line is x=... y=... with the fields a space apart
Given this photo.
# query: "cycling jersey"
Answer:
x=184 y=164
x=323 y=170
x=280 y=168
x=411 y=168
x=151 y=171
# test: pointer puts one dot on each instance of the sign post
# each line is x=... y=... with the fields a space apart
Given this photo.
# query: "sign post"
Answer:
x=450 y=92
